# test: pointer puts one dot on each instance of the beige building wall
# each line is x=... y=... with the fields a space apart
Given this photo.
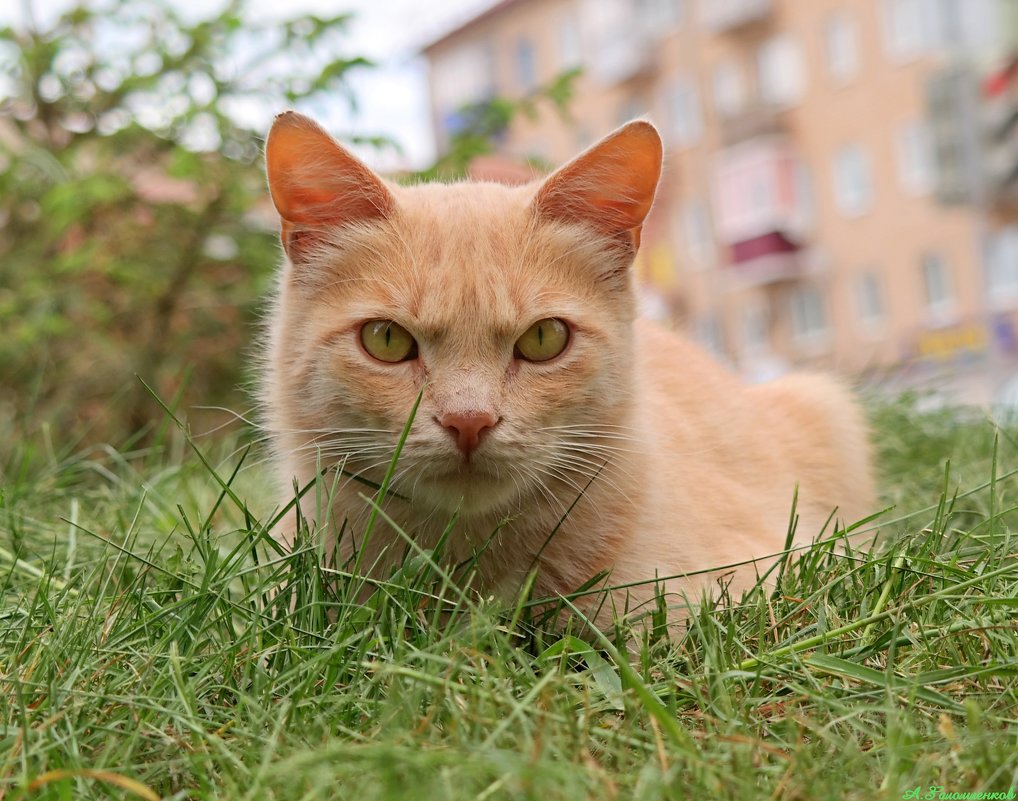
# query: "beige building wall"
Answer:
x=687 y=263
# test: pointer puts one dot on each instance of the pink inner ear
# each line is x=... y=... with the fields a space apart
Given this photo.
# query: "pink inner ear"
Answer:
x=307 y=205
x=314 y=181
x=611 y=186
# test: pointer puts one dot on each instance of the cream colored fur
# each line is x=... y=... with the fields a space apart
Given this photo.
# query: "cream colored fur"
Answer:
x=687 y=468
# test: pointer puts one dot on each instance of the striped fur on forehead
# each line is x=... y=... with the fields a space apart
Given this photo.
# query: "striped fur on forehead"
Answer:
x=499 y=266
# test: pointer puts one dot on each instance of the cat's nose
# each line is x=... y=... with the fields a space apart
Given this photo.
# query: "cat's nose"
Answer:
x=467 y=427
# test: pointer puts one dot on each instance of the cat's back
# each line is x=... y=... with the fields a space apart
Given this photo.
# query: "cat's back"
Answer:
x=682 y=386
x=722 y=439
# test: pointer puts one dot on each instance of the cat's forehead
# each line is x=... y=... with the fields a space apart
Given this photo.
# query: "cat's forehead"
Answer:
x=472 y=249
x=473 y=259
x=465 y=215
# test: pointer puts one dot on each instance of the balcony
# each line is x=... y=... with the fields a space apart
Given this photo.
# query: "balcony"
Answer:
x=767 y=259
x=761 y=186
x=756 y=120
x=623 y=56
x=973 y=120
x=763 y=210
x=728 y=16
x=1000 y=136
x=623 y=42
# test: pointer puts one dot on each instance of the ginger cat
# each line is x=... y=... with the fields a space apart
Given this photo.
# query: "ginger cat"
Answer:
x=512 y=309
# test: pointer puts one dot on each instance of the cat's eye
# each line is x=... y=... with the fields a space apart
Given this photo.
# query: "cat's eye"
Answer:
x=544 y=340
x=388 y=341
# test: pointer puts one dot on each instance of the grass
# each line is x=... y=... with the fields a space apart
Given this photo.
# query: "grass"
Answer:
x=143 y=653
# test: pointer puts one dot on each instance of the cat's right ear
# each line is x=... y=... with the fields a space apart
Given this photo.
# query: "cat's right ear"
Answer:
x=611 y=186
x=317 y=185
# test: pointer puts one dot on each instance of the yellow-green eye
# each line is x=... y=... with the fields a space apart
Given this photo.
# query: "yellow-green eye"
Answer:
x=544 y=340
x=387 y=341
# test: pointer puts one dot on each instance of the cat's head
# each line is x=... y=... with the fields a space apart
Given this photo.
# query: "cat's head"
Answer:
x=508 y=310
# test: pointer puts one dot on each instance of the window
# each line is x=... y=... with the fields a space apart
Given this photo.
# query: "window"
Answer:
x=660 y=15
x=760 y=187
x=526 y=65
x=908 y=27
x=729 y=89
x=464 y=76
x=870 y=298
x=755 y=335
x=916 y=162
x=684 y=118
x=937 y=284
x=697 y=233
x=984 y=23
x=853 y=181
x=809 y=317
x=781 y=71
x=570 y=45
x=972 y=24
x=1002 y=267
x=841 y=35
x=912 y=27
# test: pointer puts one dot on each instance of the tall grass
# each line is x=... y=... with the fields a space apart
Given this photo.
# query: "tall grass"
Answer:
x=154 y=644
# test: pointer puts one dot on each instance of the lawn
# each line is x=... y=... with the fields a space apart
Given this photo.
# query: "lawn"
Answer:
x=144 y=654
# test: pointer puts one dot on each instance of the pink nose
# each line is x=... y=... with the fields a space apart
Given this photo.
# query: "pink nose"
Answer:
x=467 y=428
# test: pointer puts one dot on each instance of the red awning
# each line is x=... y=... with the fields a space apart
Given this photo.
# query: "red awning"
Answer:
x=774 y=243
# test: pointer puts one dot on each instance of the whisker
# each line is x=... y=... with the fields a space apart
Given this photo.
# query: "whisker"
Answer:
x=587 y=427
x=537 y=476
x=595 y=461
x=559 y=475
x=591 y=470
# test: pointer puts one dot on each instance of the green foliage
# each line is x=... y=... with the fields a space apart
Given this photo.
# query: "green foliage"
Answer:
x=154 y=645
x=485 y=122
x=134 y=232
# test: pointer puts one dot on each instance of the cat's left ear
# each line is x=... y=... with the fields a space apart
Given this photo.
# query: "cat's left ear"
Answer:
x=317 y=185
x=611 y=186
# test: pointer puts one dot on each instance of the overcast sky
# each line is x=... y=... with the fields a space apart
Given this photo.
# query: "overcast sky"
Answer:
x=393 y=99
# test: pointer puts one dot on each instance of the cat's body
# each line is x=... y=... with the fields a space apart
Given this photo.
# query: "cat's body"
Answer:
x=681 y=467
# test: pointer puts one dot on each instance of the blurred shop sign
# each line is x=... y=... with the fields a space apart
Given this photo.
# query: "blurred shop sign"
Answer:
x=949 y=343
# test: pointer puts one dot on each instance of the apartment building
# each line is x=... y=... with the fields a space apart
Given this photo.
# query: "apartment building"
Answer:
x=839 y=178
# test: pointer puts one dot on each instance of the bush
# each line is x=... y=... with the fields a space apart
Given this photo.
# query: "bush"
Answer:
x=135 y=236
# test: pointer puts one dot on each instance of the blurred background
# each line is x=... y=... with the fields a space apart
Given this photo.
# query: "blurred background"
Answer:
x=841 y=185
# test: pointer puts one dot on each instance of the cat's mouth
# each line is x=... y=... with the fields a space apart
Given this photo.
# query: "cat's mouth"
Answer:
x=469 y=470
x=473 y=486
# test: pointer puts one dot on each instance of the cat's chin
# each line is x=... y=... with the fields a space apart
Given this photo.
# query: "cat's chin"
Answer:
x=467 y=492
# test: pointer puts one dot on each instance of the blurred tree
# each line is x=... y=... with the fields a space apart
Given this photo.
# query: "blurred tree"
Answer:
x=134 y=236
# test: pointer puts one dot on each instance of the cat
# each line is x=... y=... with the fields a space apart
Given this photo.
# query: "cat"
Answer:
x=511 y=313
